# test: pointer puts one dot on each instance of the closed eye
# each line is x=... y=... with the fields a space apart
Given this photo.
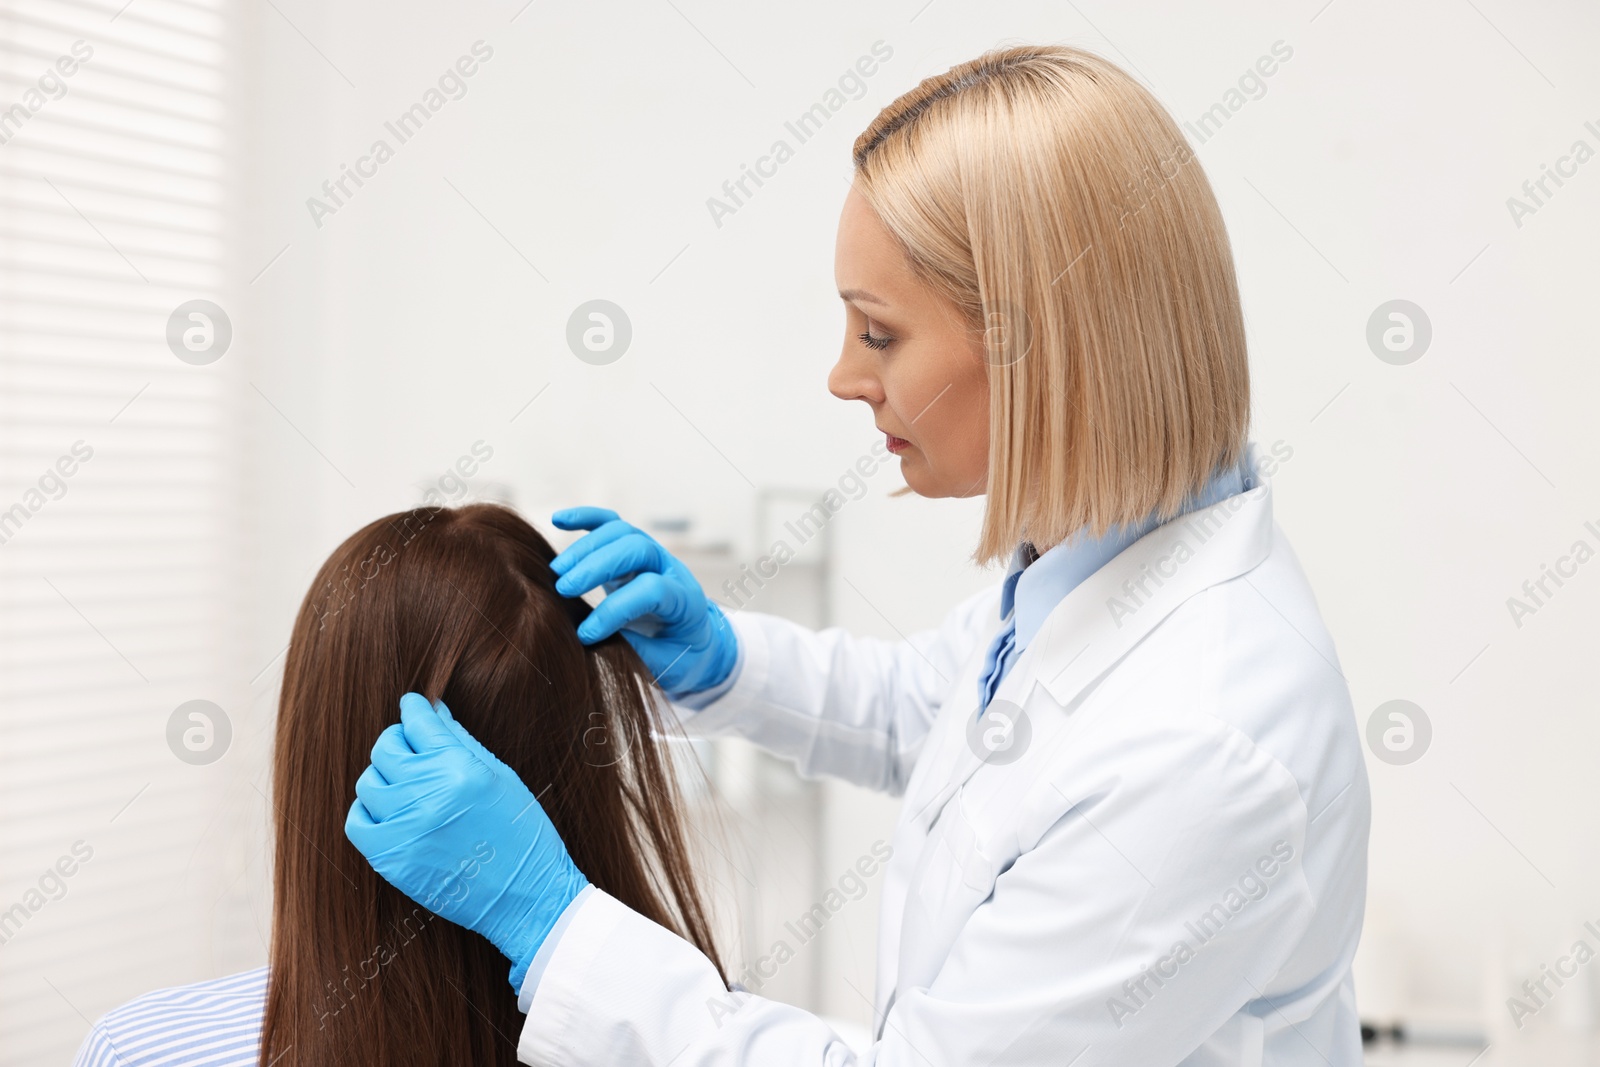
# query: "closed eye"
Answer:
x=874 y=342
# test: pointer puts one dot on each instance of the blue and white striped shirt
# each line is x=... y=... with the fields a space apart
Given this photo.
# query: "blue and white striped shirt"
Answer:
x=216 y=1023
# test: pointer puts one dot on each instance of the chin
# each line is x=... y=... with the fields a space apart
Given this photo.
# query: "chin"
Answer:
x=939 y=488
x=917 y=479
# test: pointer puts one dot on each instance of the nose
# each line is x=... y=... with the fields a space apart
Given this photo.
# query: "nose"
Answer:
x=851 y=379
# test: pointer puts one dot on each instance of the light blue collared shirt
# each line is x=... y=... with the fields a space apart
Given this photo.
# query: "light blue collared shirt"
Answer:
x=1034 y=585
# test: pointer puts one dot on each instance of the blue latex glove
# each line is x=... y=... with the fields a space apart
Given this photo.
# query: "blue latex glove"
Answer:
x=652 y=598
x=453 y=828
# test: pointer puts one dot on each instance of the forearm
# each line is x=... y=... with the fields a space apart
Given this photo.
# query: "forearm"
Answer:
x=855 y=708
x=620 y=989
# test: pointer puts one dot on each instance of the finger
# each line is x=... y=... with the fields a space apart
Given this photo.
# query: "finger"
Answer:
x=580 y=549
x=425 y=731
x=380 y=799
x=645 y=595
x=582 y=518
x=360 y=828
x=392 y=754
x=614 y=562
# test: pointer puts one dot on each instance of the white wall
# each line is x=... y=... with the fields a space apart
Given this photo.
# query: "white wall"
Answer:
x=425 y=313
x=1375 y=166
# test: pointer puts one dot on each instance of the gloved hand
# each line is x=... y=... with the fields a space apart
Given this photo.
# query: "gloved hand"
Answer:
x=652 y=598
x=453 y=828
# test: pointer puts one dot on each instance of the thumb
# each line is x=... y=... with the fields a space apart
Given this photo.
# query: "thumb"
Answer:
x=465 y=739
x=666 y=658
x=424 y=729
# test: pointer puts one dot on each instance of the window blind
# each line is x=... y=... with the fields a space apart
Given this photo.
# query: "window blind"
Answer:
x=120 y=529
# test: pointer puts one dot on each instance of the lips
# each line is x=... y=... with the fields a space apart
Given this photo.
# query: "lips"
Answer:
x=896 y=444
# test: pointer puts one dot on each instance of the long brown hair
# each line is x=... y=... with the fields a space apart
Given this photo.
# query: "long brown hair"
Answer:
x=457 y=604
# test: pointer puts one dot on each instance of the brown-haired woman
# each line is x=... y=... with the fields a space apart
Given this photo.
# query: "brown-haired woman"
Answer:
x=457 y=605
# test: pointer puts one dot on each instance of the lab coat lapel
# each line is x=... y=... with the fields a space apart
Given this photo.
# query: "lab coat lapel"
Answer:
x=1119 y=604
x=1097 y=623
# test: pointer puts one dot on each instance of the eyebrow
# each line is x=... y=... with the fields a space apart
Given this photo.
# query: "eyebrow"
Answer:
x=861 y=296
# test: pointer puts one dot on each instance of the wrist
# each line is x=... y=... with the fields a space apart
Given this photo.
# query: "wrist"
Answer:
x=519 y=967
x=726 y=644
x=716 y=663
x=526 y=980
x=523 y=938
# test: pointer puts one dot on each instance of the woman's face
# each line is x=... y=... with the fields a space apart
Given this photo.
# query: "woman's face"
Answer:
x=919 y=366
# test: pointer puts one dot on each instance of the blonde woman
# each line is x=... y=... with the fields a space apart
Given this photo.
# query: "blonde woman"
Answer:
x=1135 y=821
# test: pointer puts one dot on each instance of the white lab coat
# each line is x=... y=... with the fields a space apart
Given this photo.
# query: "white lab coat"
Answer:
x=1173 y=872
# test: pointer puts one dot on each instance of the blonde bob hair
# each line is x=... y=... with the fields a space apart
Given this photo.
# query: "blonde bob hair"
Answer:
x=1057 y=204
